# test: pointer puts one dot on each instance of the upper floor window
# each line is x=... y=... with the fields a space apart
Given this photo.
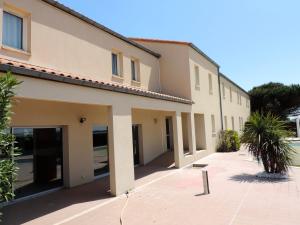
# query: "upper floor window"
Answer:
x=116 y=59
x=197 y=77
x=135 y=70
x=12 y=31
x=213 y=124
x=230 y=93
x=223 y=90
x=247 y=103
x=232 y=123
x=210 y=84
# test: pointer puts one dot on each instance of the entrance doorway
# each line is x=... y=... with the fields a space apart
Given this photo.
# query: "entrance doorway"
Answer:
x=169 y=134
x=40 y=161
x=136 y=143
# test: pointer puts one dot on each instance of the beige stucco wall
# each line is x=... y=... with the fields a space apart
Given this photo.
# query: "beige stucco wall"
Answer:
x=232 y=108
x=65 y=43
x=178 y=78
x=174 y=70
x=78 y=151
x=206 y=103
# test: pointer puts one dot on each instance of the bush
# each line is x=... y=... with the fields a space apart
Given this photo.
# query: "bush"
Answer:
x=265 y=136
x=7 y=150
x=229 y=141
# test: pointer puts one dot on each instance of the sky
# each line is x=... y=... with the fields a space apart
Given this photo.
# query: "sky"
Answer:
x=254 y=41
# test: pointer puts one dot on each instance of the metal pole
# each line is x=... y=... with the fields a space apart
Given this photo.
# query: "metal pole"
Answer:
x=205 y=182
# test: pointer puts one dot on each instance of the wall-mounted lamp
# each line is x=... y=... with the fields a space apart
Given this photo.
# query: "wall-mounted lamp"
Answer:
x=82 y=119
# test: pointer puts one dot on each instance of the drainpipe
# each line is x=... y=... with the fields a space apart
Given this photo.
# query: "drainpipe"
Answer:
x=220 y=99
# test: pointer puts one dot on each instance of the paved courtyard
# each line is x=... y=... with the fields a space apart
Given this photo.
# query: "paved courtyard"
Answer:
x=174 y=197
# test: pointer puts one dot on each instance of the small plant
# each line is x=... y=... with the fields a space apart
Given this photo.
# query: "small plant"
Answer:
x=265 y=136
x=7 y=150
x=229 y=141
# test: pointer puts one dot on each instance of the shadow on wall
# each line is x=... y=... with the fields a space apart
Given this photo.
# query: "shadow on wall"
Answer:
x=253 y=178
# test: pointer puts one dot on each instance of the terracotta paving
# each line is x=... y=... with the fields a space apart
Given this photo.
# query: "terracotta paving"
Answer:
x=175 y=197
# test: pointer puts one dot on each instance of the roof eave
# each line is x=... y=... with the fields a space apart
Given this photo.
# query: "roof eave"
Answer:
x=228 y=79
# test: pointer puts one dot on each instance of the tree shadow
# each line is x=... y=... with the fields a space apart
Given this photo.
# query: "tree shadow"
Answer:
x=253 y=178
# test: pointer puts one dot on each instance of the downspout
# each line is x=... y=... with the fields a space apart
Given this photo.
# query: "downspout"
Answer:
x=220 y=99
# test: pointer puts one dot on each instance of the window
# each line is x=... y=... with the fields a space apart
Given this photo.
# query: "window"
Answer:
x=116 y=59
x=213 y=124
x=225 y=122
x=12 y=31
x=223 y=90
x=232 y=123
x=240 y=123
x=210 y=84
x=238 y=98
x=230 y=94
x=197 y=77
x=135 y=70
x=100 y=146
x=247 y=103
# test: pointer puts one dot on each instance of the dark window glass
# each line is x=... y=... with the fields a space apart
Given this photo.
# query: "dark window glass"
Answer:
x=40 y=160
x=114 y=58
x=100 y=145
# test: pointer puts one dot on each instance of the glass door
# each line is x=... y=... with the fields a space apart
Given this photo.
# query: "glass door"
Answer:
x=169 y=134
x=40 y=161
x=136 y=147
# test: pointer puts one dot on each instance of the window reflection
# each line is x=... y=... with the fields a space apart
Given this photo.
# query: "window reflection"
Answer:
x=100 y=146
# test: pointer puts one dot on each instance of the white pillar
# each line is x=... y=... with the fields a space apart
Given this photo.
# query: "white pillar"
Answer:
x=191 y=133
x=177 y=137
x=120 y=149
x=298 y=126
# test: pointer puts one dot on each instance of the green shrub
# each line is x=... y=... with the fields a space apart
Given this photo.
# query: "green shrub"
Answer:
x=7 y=150
x=229 y=141
x=265 y=136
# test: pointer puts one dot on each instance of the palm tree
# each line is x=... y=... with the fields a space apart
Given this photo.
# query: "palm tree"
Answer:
x=265 y=136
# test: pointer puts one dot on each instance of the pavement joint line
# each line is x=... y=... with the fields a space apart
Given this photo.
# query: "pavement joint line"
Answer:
x=123 y=195
x=240 y=205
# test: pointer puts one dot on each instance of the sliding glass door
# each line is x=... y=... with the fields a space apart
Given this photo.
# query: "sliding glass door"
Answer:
x=40 y=161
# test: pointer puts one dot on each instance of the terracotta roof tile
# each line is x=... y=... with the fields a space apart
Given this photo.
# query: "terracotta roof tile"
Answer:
x=107 y=85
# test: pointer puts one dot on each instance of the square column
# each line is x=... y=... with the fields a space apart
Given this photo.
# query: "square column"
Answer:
x=178 y=143
x=121 y=164
x=191 y=133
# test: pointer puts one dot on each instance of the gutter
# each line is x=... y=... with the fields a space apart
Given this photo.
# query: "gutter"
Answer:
x=235 y=84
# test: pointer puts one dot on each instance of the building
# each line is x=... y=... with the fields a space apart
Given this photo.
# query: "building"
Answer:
x=93 y=101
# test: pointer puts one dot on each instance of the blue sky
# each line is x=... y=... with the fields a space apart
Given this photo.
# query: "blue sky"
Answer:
x=254 y=41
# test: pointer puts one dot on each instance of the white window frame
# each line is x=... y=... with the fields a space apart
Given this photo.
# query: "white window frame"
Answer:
x=232 y=123
x=26 y=29
x=136 y=64
x=119 y=64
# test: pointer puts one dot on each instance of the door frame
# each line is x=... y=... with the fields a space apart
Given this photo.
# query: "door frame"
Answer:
x=64 y=157
x=169 y=136
x=140 y=144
